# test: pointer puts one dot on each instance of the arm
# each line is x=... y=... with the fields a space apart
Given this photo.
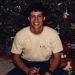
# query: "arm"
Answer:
x=17 y=60
x=55 y=62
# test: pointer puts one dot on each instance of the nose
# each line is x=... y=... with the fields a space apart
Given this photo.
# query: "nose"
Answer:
x=36 y=19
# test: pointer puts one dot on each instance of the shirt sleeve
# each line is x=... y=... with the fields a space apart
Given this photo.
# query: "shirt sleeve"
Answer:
x=56 y=43
x=17 y=46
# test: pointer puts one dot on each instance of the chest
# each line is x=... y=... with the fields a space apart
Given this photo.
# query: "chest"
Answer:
x=38 y=44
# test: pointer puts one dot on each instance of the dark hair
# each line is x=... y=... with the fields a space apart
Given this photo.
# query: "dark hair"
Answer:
x=36 y=6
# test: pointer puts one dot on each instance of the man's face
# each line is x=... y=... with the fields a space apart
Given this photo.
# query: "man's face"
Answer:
x=36 y=19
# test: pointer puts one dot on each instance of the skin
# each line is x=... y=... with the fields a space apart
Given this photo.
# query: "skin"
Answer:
x=36 y=19
x=36 y=22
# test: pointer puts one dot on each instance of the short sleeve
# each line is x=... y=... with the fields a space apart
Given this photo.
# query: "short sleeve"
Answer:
x=17 y=45
x=56 y=43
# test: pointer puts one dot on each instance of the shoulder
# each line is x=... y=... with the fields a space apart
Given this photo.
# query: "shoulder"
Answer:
x=22 y=33
x=50 y=30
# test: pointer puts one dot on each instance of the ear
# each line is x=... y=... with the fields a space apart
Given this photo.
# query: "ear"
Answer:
x=44 y=18
x=29 y=18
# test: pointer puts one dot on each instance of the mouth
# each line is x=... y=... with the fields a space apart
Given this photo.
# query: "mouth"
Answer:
x=36 y=23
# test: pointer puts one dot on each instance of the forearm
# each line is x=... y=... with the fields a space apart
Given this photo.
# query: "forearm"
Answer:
x=54 y=62
x=19 y=63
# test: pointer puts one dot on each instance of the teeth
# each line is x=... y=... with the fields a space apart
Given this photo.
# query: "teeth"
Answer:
x=36 y=23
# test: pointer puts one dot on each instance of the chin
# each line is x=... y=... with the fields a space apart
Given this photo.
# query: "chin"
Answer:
x=37 y=33
x=36 y=28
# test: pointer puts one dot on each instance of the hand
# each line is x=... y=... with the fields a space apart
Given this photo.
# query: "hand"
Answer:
x=34 y=71
x=47 y=73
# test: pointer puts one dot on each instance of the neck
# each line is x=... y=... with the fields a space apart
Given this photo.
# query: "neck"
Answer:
x=39 y=31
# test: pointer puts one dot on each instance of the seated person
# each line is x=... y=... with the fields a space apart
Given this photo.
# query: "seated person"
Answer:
x=33 y=46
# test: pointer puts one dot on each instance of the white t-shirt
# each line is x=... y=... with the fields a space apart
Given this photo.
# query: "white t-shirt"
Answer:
x=35 y=47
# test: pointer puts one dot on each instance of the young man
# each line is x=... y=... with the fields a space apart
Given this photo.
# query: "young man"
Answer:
x=34 y=45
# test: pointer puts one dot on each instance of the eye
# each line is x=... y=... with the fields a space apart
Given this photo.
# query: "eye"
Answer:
x=32 y=16
x=40 y=16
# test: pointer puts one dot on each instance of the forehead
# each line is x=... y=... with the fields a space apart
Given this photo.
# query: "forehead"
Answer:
x=36 y=13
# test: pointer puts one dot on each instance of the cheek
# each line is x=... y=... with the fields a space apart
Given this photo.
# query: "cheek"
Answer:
x=41 y=20
x=32 y=20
